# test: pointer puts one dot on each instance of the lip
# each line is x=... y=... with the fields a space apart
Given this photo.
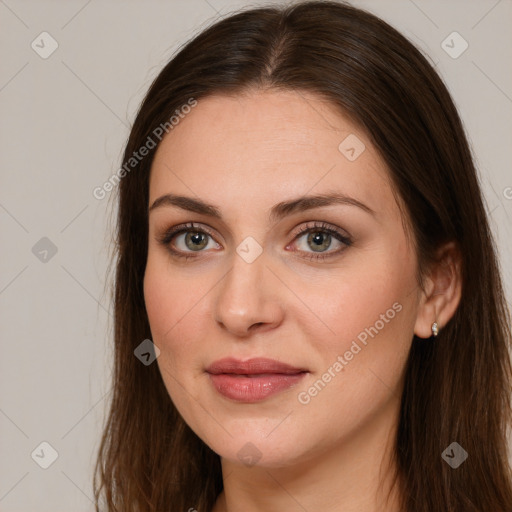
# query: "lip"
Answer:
x=256 y=365
x=253 y=380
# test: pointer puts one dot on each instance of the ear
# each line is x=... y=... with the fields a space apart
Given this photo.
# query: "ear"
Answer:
x=442 y=291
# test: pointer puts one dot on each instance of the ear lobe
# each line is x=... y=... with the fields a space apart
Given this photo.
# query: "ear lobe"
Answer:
x=443 y=288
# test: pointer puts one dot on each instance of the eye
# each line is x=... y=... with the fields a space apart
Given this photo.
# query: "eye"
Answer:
x=320 y=238
x=188 y=239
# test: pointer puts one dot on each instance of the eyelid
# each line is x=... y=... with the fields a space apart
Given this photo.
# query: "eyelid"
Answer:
x=320 y=226
x=168 y=234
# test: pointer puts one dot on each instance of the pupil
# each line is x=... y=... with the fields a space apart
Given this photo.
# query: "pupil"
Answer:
x=196 y=240
x=319 y=240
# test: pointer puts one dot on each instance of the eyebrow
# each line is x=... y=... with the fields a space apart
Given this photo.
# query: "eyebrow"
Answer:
x=277 y=212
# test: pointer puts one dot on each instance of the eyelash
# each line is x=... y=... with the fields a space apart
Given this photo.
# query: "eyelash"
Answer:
x=316 y=227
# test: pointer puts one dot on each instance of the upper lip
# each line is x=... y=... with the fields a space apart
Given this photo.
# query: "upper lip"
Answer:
x=253 y=366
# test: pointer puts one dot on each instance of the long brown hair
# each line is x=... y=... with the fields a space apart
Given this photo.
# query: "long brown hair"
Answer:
x=457 y=386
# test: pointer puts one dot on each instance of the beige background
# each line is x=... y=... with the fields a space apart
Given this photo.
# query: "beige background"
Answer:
x=63 y=123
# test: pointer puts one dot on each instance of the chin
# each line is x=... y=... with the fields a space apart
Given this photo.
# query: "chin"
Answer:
x=256 y=448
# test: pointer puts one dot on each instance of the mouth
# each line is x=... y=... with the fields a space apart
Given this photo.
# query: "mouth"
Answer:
x=253 y=380
x=254 y=366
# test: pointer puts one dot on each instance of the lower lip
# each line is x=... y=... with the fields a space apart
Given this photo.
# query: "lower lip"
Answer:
x=255 y=388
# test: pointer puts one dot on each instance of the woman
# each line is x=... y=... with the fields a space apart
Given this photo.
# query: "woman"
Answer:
x=303 y=239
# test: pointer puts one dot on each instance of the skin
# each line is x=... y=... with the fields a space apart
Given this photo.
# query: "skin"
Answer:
x=245 y=154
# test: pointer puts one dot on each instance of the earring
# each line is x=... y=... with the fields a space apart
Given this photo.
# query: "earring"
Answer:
x=435 y=329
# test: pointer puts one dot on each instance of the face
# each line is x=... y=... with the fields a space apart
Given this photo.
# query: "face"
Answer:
x=248 y=268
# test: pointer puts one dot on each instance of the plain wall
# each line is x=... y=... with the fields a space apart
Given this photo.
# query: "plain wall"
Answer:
x=64 y=120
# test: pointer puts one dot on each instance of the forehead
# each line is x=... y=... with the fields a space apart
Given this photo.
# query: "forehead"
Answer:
x=271 y=145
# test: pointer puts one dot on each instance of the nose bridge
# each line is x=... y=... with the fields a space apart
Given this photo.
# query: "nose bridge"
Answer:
x=247 y=295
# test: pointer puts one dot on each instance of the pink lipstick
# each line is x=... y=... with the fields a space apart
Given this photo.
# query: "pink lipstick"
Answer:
x=252 y=380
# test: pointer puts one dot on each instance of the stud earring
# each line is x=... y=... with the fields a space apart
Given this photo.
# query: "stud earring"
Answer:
x=435 y=329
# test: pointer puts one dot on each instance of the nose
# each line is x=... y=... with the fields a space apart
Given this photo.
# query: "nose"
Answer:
x=247 y=299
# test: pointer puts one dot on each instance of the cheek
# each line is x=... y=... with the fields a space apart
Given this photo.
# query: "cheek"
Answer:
x=377 y=294
x=370 y=312
x=169 y=296
x=159 y=302
x=166 y=306
x=175 y=303
x=358 y=370
x=170 y=330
